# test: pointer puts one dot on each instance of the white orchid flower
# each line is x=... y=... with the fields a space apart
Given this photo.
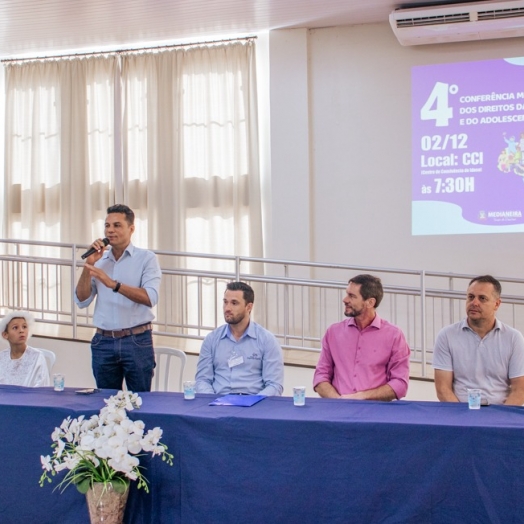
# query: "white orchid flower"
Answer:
x=127 y=425
x=71 y=461
x=139 y=426
x=155 y=434
x=151 y=439
x=125 y=464
x=103 y=452
x=46 y=462
x=65 y=423
x=87 y=442
x=134 y=445
x=59 y=466
x=158 y=450
x=60 y=446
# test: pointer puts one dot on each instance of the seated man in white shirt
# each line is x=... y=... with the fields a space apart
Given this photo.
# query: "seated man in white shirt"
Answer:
x=21 y=365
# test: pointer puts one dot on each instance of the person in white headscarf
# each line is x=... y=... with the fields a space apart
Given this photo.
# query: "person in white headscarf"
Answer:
x=21 y=365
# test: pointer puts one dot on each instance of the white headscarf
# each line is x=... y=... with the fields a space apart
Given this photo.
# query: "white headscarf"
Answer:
x=29 y=318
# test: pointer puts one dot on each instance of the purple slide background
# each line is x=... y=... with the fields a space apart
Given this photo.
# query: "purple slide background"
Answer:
x=498 y=194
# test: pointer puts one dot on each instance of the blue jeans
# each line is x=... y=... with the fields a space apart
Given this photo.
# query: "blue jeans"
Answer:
x=132 y=358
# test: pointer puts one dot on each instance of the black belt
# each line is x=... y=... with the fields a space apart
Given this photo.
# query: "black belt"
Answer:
x=239 y=393
x=119 y=333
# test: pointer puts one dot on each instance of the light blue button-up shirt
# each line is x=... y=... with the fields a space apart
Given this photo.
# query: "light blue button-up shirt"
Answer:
x=260 y=373
x=136 y=267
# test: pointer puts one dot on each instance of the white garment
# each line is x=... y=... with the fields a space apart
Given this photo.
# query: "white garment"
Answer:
x=29 y=370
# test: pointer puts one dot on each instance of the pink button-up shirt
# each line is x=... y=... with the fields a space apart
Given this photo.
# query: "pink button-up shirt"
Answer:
x=352 y=360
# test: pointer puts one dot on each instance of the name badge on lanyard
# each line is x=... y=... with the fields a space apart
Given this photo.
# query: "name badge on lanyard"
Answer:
x=235 y=360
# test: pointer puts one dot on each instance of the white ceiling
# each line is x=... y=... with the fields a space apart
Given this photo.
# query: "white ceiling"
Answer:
x=45 y=27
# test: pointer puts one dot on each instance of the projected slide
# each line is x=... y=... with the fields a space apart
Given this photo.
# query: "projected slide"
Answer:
x=468 y=147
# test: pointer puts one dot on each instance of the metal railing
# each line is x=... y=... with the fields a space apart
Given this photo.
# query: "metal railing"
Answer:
x=295 y=300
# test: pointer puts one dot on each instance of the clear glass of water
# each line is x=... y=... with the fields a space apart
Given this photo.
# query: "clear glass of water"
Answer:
x=474 y=398
x=299 y=395
x=189 y=389
x=58 y=382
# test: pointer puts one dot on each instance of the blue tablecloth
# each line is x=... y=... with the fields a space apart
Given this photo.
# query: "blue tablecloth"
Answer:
x=330 y=461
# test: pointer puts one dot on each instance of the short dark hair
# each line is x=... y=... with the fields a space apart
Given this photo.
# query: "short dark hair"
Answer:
x=247 y=290
x=370 y=287
x=125 y=210
x=488 y=279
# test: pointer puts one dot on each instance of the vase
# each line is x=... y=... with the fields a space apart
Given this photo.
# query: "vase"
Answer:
x=106 y=504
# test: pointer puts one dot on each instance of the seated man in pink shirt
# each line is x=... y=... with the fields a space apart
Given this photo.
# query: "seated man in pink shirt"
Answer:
x=363 y=357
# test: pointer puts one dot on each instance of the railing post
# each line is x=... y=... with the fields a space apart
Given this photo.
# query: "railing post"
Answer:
x=74 y=320
x=423 y=321
x=200 y=304
x=19 y=279
x=237 y=268
x=451 y=287
x=286 y=306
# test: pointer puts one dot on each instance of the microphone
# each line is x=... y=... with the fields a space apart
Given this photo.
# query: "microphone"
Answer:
x=92 y=250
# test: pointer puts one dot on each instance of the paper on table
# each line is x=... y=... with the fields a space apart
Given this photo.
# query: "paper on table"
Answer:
x=237 y=400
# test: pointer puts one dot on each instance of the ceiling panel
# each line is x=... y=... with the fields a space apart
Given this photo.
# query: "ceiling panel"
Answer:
x=45 y=27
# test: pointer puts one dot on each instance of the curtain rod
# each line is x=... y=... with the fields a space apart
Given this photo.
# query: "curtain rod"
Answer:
x=126 y=51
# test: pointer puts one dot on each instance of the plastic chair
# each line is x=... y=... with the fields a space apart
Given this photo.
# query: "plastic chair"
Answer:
x=163 y=356
x=50 y=359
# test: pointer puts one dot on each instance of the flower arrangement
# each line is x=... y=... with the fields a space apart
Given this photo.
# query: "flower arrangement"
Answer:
x=105 y=448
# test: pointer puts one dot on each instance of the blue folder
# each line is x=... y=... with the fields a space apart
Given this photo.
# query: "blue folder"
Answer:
x=237 y=400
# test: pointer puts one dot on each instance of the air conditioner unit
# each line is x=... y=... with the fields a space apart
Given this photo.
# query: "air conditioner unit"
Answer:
x=458 y=22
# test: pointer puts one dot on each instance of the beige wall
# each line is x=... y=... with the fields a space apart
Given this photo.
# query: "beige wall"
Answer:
x=341 y=152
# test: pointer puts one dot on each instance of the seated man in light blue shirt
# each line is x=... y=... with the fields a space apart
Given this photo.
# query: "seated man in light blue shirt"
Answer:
x=240 y=357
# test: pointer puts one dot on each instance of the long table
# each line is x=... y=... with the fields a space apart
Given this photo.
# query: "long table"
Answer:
x=330 y=461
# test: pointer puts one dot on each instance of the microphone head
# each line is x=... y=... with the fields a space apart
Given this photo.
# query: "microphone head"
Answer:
x=93 y=250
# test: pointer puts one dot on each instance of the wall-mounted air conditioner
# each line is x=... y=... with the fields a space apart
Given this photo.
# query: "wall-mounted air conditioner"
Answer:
x=458 y=22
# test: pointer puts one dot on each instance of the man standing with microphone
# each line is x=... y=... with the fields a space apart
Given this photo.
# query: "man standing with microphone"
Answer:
x=126 y=281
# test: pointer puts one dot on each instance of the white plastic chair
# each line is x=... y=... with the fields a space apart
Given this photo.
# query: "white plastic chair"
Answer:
x=163 y=356
x=50 y=359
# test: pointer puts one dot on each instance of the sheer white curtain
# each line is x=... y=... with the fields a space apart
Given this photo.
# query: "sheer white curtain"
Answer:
x=59 y=150
x=58 y=162
x=191 y=148
x=191 y=159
